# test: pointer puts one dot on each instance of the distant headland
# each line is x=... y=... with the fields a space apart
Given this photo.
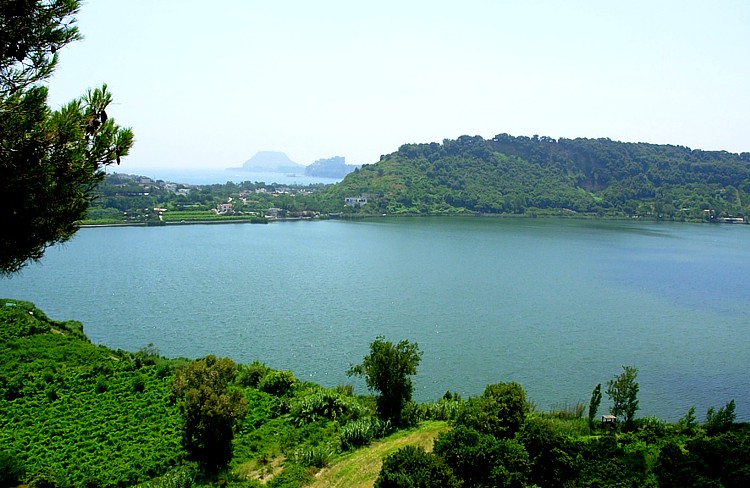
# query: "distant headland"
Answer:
x=279 y=162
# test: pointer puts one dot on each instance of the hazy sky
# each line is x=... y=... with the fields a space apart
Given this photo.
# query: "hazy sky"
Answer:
x=208 y=84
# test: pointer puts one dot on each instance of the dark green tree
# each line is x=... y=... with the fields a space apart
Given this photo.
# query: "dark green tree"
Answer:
x=483 y=460
x=211 y=410
x=499 y=411
x=551 y=454
x=623 y=392
x=412 y=467
x=50 y=160
x=388 y=369
x=596 y=400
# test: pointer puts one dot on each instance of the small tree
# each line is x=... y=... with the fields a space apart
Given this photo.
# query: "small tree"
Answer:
x=623 y=392
x=596 y=400
x=211 y=410
x=388 y=369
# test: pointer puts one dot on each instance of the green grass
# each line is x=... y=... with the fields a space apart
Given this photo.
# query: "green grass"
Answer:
x=360 y=469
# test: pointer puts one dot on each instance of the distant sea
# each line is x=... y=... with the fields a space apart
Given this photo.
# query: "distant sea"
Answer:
x=221 y=176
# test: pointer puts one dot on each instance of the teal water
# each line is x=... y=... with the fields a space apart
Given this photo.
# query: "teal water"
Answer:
x=556 y=305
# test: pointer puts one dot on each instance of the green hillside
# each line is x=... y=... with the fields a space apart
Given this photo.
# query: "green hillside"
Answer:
x=540 y=175
x=73 y=413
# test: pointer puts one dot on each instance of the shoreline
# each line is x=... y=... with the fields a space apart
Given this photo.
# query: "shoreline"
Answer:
x=381 y=216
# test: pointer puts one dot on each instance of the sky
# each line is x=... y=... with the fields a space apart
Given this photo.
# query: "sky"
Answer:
x=206 y=85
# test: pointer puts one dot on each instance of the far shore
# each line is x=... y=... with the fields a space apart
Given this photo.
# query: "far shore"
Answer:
x=380 y=216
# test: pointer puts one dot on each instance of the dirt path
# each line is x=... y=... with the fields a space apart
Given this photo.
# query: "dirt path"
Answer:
x=360 y=469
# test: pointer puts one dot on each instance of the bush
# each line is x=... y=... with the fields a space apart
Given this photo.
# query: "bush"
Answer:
x=361 y=432
x=568 y=412
x=483 y=460
x=317 y=457
x=443 y=409
x=325 y=405
x=651 y=429
x=252 y=375
x=277 y=383
x=293 y=476
x=412 y=467
x=500 y=411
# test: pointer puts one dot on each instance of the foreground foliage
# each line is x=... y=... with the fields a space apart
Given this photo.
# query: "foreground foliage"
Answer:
x=211 y=410
x=73 y=414
x=50 y=161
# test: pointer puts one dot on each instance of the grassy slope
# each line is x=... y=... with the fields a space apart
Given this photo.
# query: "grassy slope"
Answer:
x=360 y=468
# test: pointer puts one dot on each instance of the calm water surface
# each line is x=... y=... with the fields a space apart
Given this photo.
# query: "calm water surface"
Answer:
x=558 y=306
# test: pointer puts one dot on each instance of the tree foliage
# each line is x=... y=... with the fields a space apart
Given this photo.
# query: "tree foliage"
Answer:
x=388 y=369
x=623 y=392
x=483 y=460
x=412 y=467
x=596 y=400
x=211 y=410
x=50 y=160
x=534 y=175
x=719 y=421
x=499 y=411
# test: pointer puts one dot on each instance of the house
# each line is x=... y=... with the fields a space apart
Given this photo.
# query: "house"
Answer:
x=275 y=213
x=224 y=209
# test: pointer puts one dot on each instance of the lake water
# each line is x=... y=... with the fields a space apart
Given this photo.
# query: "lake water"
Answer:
x=556 y=305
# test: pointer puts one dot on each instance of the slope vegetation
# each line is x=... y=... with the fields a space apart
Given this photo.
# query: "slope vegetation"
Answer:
x=521 y=175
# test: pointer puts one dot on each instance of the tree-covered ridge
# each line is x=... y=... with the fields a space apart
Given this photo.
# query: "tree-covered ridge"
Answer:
x=520 y=175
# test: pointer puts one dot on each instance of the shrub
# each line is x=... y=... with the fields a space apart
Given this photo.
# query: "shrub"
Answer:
x=293 y=476
x=651 y=429
x=443 y=409
x=500 y=410
x=412 y=467
x=361 y=432
x=317 y=457
x=483 y=460
x=277 y=383
x=325 y=405
x=567 y=411
x=251 y=375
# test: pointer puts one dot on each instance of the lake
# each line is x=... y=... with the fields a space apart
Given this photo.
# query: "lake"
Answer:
x=556 y=305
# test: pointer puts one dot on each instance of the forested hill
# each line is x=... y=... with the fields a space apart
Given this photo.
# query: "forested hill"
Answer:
x=520 y=175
